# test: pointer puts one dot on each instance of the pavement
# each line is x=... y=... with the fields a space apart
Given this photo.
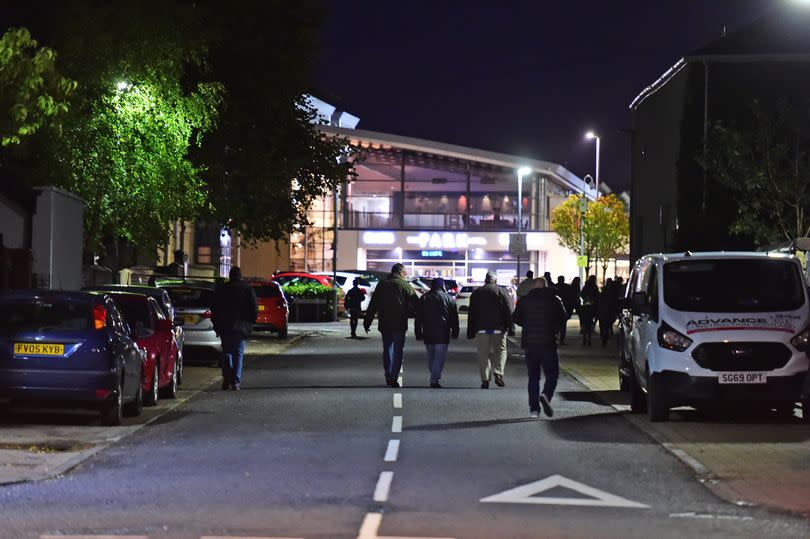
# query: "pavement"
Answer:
x=746 y=459
x=38 y=444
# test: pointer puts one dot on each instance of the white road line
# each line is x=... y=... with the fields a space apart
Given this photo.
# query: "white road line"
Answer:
x=392 y=452
x=241 y=537
x=397 y=400
x=396 y=424
x=383 y=486
x=370 y=526
x=95 y=537
x=709 y=516
x=399 y=380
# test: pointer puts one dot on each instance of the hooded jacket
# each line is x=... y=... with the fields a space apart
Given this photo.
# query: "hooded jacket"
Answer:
x=542 y=315
x=234 y=309
x=436 y=316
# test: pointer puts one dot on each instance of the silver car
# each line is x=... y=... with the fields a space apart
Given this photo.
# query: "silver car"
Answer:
x=192 y=304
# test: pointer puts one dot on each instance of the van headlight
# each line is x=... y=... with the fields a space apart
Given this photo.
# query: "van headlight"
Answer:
x=672 y=340
x=801 y=340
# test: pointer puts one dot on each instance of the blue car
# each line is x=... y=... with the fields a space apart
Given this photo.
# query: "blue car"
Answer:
x=69 y=349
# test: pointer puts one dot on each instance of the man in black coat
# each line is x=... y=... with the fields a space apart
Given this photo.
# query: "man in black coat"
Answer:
x=489 y=320
x=233 y=315
x=436 y=321
x=354 y=305
x=541 y=314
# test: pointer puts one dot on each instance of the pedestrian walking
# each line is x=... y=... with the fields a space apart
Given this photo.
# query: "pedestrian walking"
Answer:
x=524 y=287
x=549 y=282
x=541 y=314
x=393 y=299
x=488 y=321
x=354 y=305
x=233 y=314
x=564 y=293
x=436 y=322
x=606 y=310
x=587 y=308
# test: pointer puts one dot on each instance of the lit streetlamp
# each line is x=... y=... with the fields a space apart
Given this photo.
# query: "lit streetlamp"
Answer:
x=590 y=135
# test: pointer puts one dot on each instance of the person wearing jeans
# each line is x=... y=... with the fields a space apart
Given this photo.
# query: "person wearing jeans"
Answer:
x=393 y=299
x=541 y=314
x=233 y=349
x=436 y=322
x=233 y=314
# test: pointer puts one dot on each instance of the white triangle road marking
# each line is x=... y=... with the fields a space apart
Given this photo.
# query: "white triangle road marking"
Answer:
x=527 y=494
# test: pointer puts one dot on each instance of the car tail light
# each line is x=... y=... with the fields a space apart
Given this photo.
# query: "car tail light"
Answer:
x=102 y=393
x=206 y=314
x=99 y=317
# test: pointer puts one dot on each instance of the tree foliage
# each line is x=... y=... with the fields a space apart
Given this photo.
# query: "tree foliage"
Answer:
x=605 y=226
x=32 y=92
x=765 y=163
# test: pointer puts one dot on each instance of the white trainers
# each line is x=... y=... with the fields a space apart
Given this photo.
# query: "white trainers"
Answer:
x=534 y=415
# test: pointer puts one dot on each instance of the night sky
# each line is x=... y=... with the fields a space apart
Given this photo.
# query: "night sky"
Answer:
x=524 y=78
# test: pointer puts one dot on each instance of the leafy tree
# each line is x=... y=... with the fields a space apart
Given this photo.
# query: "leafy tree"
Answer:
x=266 y=161
x=32 y=92
x=606 y=227
x=764 y=161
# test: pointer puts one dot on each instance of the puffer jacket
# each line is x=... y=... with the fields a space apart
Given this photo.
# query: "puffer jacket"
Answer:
x=542 y=315
x=393 y=299
x=436 y=318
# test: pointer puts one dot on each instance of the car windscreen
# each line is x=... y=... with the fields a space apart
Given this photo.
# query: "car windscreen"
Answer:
x=42 y=316
x=191 y=298
x=266 y=291
x=133 y=308
x=733 y=285
x=467 y=289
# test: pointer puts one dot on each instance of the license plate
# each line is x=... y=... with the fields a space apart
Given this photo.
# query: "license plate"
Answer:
x=38 y=349
x=743 y=378
x=262 y=308
x=190 y=318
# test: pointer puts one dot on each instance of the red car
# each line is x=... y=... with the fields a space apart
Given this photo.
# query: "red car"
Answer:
x=300 y=277
x=273 y=307
x=152 y=332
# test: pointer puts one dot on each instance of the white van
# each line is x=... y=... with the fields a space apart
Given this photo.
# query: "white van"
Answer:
x=715 y=328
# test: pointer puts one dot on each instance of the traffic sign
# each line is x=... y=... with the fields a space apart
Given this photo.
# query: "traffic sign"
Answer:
x=517 y=245
x=582 y=261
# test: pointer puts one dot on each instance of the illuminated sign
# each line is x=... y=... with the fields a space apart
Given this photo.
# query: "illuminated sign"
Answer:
x=379 y=238
x=445 y=240
x=432 y=254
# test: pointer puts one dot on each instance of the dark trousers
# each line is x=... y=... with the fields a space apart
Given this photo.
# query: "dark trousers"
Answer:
x=233 y=349
x=605 y=326
x=393 y=344
x=542 y=358
x=564 y=331
x=354 y=317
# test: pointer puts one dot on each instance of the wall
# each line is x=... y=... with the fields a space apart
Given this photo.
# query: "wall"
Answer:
x=263 y=259
x=13 y=224
x=56 y=238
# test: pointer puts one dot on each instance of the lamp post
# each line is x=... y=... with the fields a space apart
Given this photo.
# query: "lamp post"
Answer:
x=522 y=171
x=590 y=135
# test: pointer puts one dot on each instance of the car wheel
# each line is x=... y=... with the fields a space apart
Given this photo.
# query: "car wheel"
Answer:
x=638 y=402
x=282 y=333
x=151 y=398
x=170 y=391
x=179 y=361
x=657 y=400
x=135 y=408
x=112 y=412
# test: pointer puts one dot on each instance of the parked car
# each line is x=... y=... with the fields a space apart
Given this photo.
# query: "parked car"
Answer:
x=70 y=347
x=708 y=329
x=192 y=302
x=285 y=278
x=419 y=286
x=164 y=301
x=154 y=333
x=273 y=308
x=463 y=297
x=346 y=281
x=450 y=285
x=511 y=291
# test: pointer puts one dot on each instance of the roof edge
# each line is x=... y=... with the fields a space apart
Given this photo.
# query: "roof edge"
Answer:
x=659 y=83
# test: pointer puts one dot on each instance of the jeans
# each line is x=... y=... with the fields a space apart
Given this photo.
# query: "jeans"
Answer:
x=542 y=357
x=393 y=343
x=354 y=317
x=436 y=354
x=233 y=348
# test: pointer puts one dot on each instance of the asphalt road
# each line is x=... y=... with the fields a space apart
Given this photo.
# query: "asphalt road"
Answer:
x=309 y=448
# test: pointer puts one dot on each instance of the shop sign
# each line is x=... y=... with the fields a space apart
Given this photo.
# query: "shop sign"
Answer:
x=432 y=254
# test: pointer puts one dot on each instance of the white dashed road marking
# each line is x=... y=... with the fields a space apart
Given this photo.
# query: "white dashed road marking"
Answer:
x=397 y=400
x=383 y=486
x=392 y=451
x=371 y=525
x=396 y=424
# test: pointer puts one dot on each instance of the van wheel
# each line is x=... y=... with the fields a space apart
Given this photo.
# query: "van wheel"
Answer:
x=638 y=402
x=657 y=400
x=151 y=398
x=806 y=410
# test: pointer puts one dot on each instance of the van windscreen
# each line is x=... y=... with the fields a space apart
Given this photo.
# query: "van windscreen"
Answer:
x=733 y=285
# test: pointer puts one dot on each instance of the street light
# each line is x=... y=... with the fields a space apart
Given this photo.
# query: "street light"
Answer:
x=590 y=135
x=522 y=171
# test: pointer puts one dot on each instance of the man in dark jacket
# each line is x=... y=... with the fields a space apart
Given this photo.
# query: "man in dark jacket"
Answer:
x=393 y=299
x=436 y=321
x=354 y=304
x=541 y=314
x=233 y=315
x=564 y=293
x=488 y=322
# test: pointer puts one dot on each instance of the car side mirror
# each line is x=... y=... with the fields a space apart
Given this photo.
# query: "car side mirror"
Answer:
x=164 y=325
x=639 y=303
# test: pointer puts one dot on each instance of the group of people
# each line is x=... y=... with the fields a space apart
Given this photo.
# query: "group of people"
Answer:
x=540 y=311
